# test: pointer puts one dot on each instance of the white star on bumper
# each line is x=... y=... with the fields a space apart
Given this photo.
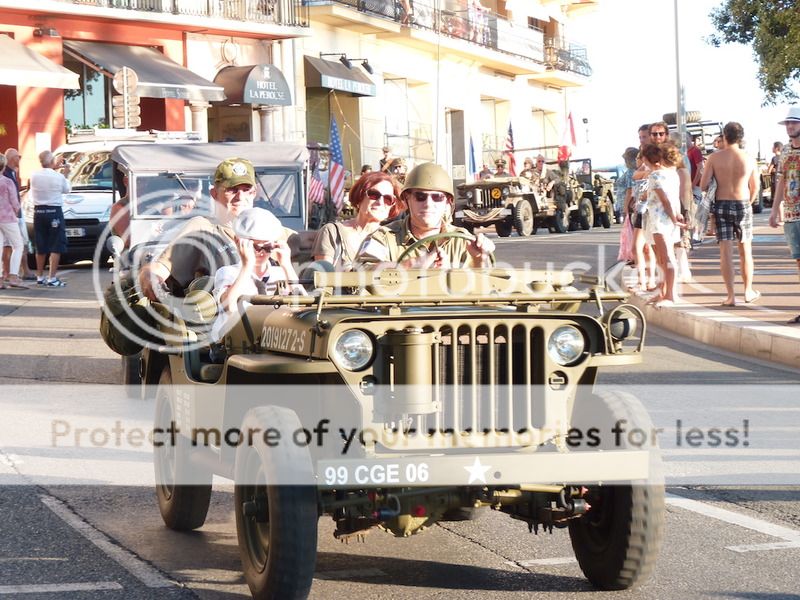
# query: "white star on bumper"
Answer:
x=477 y=472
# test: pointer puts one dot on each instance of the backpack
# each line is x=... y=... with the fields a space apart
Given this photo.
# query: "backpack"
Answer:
x=126 y=320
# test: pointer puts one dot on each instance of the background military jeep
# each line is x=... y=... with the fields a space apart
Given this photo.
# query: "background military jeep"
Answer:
x=419 y=396
x=508 y=203
x=593 y=193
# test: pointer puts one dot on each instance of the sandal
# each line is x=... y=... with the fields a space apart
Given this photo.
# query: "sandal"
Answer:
x=16 y=285
x=795 y=321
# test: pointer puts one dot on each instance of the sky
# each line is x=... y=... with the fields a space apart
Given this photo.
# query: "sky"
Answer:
x=631 y=47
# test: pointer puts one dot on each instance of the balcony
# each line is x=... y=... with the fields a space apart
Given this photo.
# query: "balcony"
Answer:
x=470 y=33
x=246 y=14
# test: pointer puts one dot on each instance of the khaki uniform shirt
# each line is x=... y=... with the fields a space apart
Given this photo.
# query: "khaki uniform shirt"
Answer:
x=200 y=248
x=388 y=243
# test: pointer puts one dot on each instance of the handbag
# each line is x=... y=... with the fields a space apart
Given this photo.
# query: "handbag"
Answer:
x=704 y=209
x=626 y=241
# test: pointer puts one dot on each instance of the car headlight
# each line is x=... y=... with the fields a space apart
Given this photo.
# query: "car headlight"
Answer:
x=506 y=192
x=566 y=344
x=353 y=350
x=469 y=194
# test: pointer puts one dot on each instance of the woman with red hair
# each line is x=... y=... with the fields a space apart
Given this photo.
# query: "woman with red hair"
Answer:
x=376 y=198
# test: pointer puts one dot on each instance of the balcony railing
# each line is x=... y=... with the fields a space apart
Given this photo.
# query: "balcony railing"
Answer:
x=292 y=13
x=481 y=27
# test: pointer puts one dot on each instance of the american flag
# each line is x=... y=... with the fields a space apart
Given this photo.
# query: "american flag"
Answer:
x=336 y=169
x=316 y=189
x=512 y=162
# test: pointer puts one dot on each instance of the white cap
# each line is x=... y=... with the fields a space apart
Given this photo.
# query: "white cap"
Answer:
x=793 y=116
x=258 y=224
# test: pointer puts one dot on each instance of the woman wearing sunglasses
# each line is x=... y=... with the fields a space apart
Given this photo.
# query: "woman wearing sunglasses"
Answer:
x=376 y=198
x=428 y=193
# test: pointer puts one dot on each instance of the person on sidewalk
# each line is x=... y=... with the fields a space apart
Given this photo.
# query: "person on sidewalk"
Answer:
x=11 y=171
x=737 y=189
x=48 y=187
x=9 y=230
x=787 y=190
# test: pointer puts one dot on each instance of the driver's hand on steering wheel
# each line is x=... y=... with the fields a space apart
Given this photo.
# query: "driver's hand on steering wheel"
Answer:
x=433 y=259
x=481 y=249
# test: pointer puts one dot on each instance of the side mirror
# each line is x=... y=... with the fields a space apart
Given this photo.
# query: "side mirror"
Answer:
x=115 y=245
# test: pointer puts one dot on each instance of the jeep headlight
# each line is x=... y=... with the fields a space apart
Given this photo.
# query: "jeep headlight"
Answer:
x=506 y=192
x=566 y=344
x=469 y=194
x=353 y=350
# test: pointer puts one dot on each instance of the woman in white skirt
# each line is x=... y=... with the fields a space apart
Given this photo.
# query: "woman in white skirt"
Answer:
x=664 y=220
x=9 y=229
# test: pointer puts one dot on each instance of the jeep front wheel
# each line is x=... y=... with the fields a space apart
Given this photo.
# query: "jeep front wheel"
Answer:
x=183 y=490
x=586 y=214
x=617 y=541
x=276 y=522
x=605 y=217
x=523 y=219
x=560 y=221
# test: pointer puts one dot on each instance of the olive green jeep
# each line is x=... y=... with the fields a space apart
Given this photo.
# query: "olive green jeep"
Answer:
x=508 y=203
x=593 y=193
x=399 y=398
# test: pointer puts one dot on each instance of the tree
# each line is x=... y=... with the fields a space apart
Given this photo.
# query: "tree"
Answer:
x=772 y=27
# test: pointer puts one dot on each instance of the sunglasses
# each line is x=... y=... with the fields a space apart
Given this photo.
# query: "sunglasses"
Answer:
x=388 y=199
x=435 y=196
x=265 y=247
x=658 y=133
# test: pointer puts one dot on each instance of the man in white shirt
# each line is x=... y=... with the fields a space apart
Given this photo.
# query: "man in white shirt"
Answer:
x=48 y=187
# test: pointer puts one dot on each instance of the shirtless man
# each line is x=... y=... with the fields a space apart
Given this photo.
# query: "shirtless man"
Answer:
x=737 y=188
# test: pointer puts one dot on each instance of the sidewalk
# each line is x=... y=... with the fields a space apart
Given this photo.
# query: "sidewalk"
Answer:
x=757 y=329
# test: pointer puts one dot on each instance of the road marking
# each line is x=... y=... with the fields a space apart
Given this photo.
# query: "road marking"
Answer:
x=561 y=560
x=760 y=547
x=350 y=574
x=784 y=533
x=33 y=558
x=59 y=588
x=148 y=575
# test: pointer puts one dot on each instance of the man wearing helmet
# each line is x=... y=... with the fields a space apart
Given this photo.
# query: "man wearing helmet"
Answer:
x=428 y=193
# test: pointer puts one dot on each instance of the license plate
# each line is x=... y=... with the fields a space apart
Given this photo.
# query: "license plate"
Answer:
x=76 y=232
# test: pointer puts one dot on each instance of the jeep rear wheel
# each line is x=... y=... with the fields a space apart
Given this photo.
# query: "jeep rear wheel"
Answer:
x=523 y=219
x=586 y=214
x=183 y=507
x=276 y=525
x=502 y=228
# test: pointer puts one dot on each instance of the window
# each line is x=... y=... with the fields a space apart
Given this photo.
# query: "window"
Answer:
x=88 y=105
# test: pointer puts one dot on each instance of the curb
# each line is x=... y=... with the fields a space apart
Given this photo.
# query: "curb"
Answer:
x=729 y=331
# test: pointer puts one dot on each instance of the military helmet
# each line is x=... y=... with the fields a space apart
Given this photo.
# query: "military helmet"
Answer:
x=429 y=176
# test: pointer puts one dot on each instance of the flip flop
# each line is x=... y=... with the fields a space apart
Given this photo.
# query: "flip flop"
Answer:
x=754 y=299
x=795 y=321
x=17 y=285
x=727 y=304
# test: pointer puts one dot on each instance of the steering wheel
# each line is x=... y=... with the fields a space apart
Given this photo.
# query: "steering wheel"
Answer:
x=458 y=235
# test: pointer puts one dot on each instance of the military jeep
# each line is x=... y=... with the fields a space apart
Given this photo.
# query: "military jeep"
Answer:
x=399 y=398
x=593 y=193
x=508 y=203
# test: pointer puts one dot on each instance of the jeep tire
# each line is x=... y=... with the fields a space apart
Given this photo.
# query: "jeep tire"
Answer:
x=585 y=214
x=523 y=218
x=617 y=541
x=183 y=507
x=605 y=217
x=276 y=525
x=560 y=221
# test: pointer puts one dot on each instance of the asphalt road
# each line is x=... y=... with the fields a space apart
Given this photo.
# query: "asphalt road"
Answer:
x=107 y=541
